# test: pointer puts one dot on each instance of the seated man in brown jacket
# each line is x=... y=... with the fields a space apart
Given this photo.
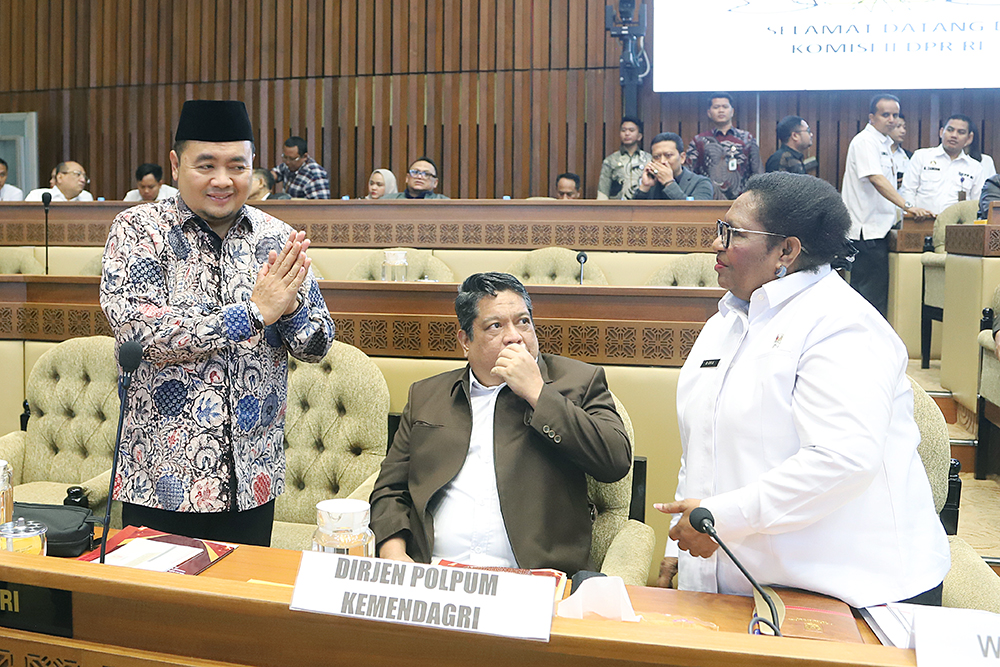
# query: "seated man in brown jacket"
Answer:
x=489 y=464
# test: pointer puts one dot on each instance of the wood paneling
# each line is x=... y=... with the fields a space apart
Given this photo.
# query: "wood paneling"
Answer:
x=504 y=94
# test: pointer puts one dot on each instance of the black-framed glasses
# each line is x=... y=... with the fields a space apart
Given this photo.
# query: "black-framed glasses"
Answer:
x=417 y=173
x=725 y=232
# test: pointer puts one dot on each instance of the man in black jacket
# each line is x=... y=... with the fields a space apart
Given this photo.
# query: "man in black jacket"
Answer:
x=666 y=177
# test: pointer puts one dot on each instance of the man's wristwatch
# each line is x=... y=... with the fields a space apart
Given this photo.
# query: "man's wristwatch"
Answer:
x=256 y=319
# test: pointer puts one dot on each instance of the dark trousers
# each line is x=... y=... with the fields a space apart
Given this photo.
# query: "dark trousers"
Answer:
x=870 y=272
x=931 y=598
x=249 y=527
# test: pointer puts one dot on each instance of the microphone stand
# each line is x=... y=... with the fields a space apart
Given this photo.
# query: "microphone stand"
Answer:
x=46 y=200
x=582 y=258
x=123 y=385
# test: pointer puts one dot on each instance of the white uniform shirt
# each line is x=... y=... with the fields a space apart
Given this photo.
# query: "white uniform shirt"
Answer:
x=934 y=179
x=9 y=193
x=468 y=524
x=797 y=429
x=871 y=213
x=166 y=192
x=57 y=195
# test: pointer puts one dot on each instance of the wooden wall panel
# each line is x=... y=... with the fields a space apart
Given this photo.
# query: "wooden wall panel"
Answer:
x=505 y=94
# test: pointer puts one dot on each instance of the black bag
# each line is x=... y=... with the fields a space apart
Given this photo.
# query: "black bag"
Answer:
x=70 y=528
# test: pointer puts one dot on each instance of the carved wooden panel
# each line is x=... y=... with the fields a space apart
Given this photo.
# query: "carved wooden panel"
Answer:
x=640 y=343
x=979 y=240
x=906 y=240
x=54 y=322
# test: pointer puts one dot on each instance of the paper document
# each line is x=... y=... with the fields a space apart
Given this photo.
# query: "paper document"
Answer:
x=150 y=555
x=892 y=623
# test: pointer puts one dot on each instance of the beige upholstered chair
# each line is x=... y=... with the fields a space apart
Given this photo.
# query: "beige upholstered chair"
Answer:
x=19 y=260
x=696 y=269
x=420 y=265
x=932 y=299
x=93 y=266
x=988 y=400
x=620 y=546
x=555 y=266
x=73 y=395
x=335 y=438
x=970 y=583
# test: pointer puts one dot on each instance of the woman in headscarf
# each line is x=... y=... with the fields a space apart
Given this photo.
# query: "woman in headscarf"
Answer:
x=382 y=182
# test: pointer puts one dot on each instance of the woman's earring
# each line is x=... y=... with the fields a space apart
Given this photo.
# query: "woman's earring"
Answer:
x=781 y=271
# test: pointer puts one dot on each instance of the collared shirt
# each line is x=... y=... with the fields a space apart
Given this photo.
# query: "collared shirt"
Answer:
x=9 y=193
x=207 y=406
x=468 y=525
x=166 y=192
x=797 y=432
x=900 y=162
x=934 y=179
x=57 y=195
x=729 y=158
x=620 y=173
x=787 y=159
x=871 y=213
x=310 y=181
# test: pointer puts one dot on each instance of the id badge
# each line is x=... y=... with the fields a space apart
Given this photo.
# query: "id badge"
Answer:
x=732 y=164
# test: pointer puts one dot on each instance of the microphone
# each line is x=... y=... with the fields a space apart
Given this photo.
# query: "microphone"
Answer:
x=129 y=357
x=46 y=201
x=582 y=258
x=702 y=520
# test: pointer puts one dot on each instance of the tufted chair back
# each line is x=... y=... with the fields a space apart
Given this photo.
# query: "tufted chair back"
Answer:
x=696 y=269
x=612 y=501
x=962 y=213
x=335 y=430
x=93 y=266
x=555 y=266
x=420 y=265
x=19 y=260
x=73 y=395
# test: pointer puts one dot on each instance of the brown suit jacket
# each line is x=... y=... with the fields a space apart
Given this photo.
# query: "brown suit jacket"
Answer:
x=540 y=471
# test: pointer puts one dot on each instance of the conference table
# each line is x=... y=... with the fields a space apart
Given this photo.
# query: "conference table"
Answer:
x=237 y=613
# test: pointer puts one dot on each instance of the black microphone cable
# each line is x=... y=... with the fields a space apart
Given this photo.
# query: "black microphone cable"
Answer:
x=702 y=520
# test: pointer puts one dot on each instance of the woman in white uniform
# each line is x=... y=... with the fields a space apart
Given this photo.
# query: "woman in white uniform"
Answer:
x=796 y=419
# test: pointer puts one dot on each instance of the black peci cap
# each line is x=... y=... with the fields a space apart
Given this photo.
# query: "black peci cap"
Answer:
x=214 y=120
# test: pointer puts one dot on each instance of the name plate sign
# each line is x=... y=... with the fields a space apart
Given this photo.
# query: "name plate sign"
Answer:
x=946 y=636
x=491 y=603
x=36 y=609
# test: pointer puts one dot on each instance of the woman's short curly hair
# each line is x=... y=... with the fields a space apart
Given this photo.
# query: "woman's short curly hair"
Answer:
x=805 y=207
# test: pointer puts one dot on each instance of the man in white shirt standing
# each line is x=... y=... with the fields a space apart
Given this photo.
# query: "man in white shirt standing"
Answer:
x=900 y=156
x=8 y=192
x=489 y=464
x=944 y=175
x=149 y=185
x=71 y=179
x=869 y=192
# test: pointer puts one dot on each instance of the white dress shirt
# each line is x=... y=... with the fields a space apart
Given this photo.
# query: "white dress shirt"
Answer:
x=468 y=525
x=57 y=195
x=934 y=179
x=871 y=213
x=9 y=193
x=796 y=421
x=166 y=192
x=900 y=162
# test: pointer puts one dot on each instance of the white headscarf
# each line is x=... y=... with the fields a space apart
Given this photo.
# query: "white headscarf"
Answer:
x=390 y=182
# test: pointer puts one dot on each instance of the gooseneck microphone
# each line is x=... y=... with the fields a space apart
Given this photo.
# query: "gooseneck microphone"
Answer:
x=129 y=356
x=582 y=258
x=46 y=201
x=702 y=520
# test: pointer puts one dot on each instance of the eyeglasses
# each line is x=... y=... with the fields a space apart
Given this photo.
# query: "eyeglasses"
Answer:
x=725 y=232
x=78 y=174
x=417 y=173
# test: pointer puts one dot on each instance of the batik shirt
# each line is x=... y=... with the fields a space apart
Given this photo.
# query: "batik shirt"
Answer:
x=310 y=181
x=205 y=421
x=728 y=158
x=620 y=173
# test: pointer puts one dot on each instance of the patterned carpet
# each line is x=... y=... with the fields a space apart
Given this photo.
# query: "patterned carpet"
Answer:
x=978 y=518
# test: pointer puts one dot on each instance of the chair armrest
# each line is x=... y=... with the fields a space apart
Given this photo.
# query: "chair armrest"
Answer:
x=12 y=451
x=970 y=583
x=933 y=258
x=364 y=490
x=95 y=489
x=986 y=340
x=631 y=553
